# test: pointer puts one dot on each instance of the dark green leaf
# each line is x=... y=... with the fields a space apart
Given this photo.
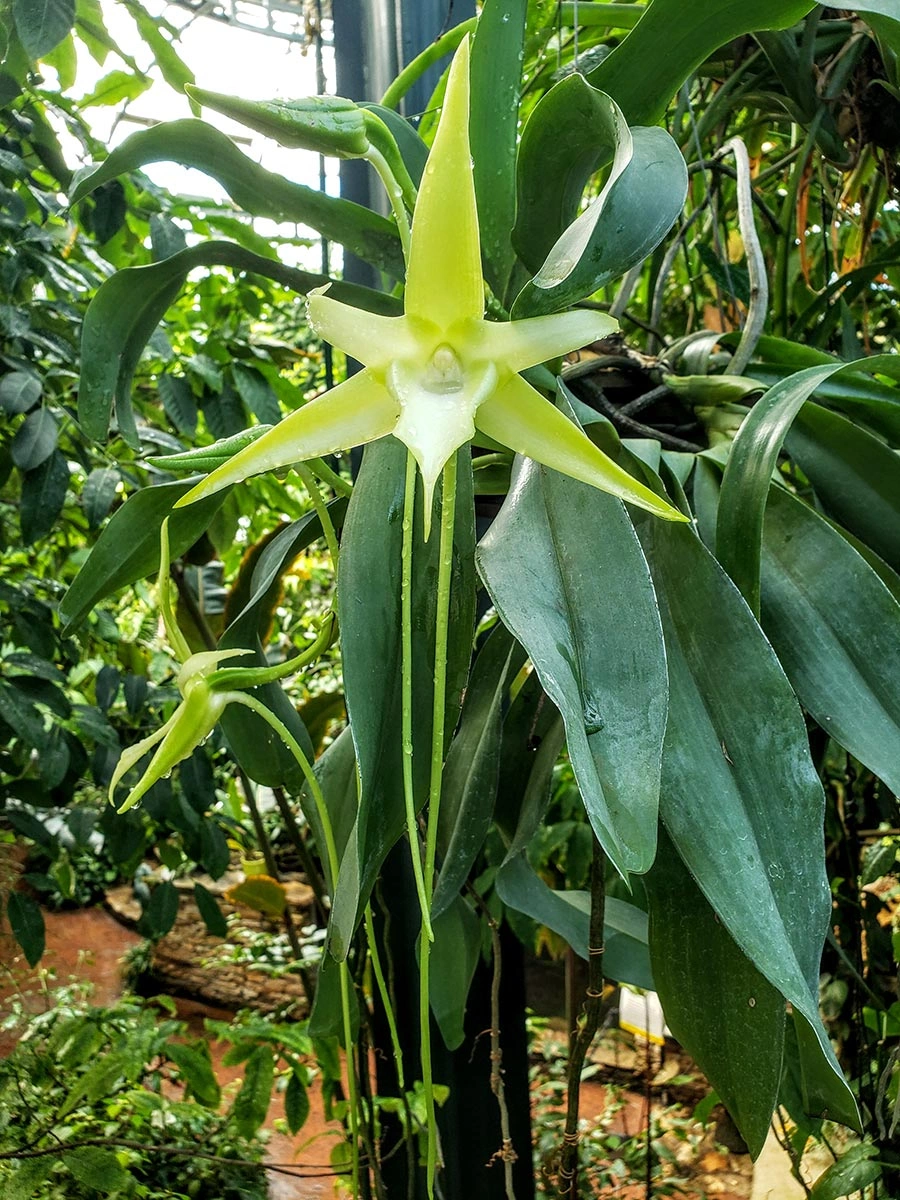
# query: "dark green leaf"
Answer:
x=853 y=1172
x=179 y=403
x=166 y=238
x=720 y=1008
x=98 y=494
x=760 y=866
x=563 y=566
x=496 y=71
x=43 y=495
x=252 y=1102
x=856 y=477
x=263 y=193
x=27 y=924
x=212 y=915
x=128 y=547
x=197 y=1071
x=257 y=393
x=24 y=1181
x=160 y=912
x=128 y=307
x=42 y=24
x=296 y=1103
x=97 y=1169
x=472 y=765
x=669 y=42
x=22 y=717
x=457 y=946
x=836 y=630
x=215 y=854
x=19 y=392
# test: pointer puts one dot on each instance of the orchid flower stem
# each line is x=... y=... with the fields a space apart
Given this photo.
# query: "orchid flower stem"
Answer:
x=431 y=54
x=318 y=503
x=257 y=676
x=342 y=486
x=296 y=749
x=395 y=195
x=441 y=631
x=412 y=827
x=385 y=995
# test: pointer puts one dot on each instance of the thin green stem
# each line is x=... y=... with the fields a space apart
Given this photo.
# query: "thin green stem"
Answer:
x=395 y=195
x=438 y=49
x=412 y=827
x=321 y=508
x=296 y=749
x=341 y=485
x=441 y=634
x=227 y=677
x=381 y=982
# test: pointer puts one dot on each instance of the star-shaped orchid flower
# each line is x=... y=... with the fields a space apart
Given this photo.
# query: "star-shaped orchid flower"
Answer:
x=439 y=372
x=206 y=691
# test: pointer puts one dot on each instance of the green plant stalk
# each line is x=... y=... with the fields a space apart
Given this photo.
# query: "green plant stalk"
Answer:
x=383 y=992
x=325 y=473
x=295 y=748
x=249 y=677
x=412 y=828
x=321 y=509
x=441 y=630
x=414 y=71
x=395 y=195
x=781 y=299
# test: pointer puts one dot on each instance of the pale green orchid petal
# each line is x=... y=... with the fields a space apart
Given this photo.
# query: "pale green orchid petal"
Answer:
x=190 y=725
x=203 y=663
x=355 y=412
x=370 y=338
x=522 y=419
x=443 y=280
x=437 y=410
x=133 y=754
x=176 y=638
x=522 y=344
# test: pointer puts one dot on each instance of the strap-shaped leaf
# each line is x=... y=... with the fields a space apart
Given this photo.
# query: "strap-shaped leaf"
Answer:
x=573 y=130
x=617 y=230
x=128 y=547
x=567 y=576
x=496 y=77
x=193 y=143
x=754 y=455
x=457 y=948
x=128 y=307
x=740 y=797
x=856 y=477
x=472 y=766
x=836 y=629
x=369 y=614
x=721 y=1009
x=672 y=39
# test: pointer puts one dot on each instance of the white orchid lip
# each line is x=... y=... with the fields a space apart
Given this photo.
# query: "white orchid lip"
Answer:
x=439 y=372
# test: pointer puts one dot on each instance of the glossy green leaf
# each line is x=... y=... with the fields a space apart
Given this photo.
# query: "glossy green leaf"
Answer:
x=647 y=68
x=296 y=1103
x=331 y=125
x=496 y=77
x=98 y=494
x=128 y=547
x=717 y=1004
x=197 y=1072
x=27 y=924
x=852 y=1173
x=42 y=24
x=617 y=230
x=457 y=947
x=208 y=907
x=753 y=458
x=740 y=797
x=160 y=911
x=19 y=391
x=257 y=394
x=572 y=131
x=42 y=497
x=193 y=143
x=369 y=614
x=252 y=1102
x=473 y=762
x=836 y=629
x=128 y=307
x=856 y=477
x=625 y=958
x=35 y=439
x=563 y=568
